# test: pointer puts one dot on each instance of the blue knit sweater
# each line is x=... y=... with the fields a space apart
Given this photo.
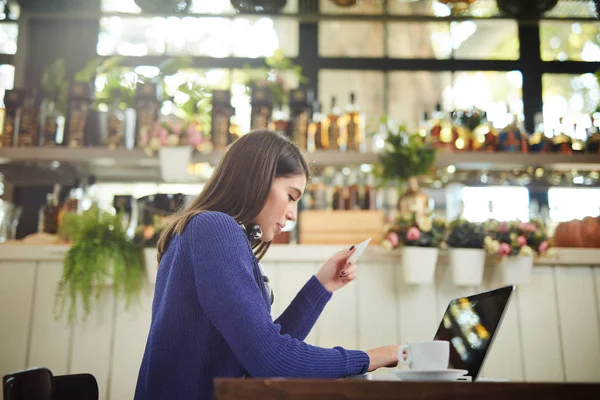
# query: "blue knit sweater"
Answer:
x=211 y=317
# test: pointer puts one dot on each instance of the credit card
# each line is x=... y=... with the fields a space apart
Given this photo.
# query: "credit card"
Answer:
x=360 y=248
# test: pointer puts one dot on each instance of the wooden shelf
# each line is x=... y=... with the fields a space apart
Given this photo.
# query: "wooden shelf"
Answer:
x=27 y=165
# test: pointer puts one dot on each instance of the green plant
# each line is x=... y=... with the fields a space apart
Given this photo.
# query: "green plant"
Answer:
x=100 y=251
x=55 y=84
x=272 y=76
x=464 y=234
x=404 y=156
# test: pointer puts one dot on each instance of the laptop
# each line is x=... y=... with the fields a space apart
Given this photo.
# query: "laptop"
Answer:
x=471 y=324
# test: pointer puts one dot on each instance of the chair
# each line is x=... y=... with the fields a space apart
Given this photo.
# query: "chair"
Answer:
x=40 y=384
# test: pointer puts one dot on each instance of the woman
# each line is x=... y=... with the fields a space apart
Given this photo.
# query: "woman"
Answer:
x=211 y=315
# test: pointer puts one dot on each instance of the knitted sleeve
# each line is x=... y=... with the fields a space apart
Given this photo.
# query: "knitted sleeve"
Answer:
x=302 y=313
x=229 y=295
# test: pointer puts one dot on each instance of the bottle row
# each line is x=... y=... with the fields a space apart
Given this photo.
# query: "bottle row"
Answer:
x=25 y=122
x=28 y=121
x=470 y=130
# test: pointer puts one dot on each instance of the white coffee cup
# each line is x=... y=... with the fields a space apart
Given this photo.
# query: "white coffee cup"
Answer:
x=430 y=355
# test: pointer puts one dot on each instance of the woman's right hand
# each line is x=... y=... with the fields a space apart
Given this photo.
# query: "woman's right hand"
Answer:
x=386 y=356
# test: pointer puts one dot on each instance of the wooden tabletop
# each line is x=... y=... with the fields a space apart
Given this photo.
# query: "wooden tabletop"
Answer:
x=265 y=389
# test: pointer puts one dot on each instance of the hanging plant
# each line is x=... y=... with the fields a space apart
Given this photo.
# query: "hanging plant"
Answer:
x=100 y=253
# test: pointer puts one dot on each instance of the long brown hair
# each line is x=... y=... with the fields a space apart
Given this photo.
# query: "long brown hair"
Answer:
x=241 y=183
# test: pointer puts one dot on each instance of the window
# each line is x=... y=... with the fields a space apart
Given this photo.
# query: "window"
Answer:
x=571 y=97
x=497 y=93
x=578 y=41
x=500 y=203
x=561 y=201
x=8 y=38
x=213 y=37
x=7 y=78
x=492 y=40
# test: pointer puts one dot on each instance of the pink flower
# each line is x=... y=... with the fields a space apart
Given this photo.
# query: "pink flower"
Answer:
x=543 y=247
x=162 y=135
x=393 y=238
x=503 y=227
x=413 y=234
x=527 y=227
x=522 y=241
x=505 y=249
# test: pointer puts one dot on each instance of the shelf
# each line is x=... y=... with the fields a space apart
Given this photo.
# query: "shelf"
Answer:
x=34 y=165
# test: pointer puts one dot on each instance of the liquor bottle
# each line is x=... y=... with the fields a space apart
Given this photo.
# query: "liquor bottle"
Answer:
x=562 y=143
x=53 y=125
x=485 y=136
x=147 y=107
x=355 y=127
x=26 y=123
x=371 y=197
x=334 y=128
x=221 y=114
x=315 y=129
x=424 y=125
x=592 y=144
x=577 y=145
x=116 y=122
x=443 y=134
x=300 y=101
x=512 y=138
x=280 y=120
x=261 y=100
x=352 y=199
x=49 y=213
x=13 y=100
x=538 y=141
x=80 y=102
x=339 y=193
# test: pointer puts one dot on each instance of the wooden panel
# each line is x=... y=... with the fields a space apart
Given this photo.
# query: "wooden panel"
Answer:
x=92 y=342
x=338 y=325
x=266 y=389
x=377 y=305
x=289 y=278
x=340 y=226
x=51 y=337
x=446 y=290
x=504 y=358
x=417 y=309
x=17 y=280
x=597 y=282
x=130 y=336
x=578 y=315
x=540 y=338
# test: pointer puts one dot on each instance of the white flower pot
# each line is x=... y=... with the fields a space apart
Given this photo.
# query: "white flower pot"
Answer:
x=516 y=270
x=151 y=264
x=466 y=266
x=418 y=264
x=174 y=162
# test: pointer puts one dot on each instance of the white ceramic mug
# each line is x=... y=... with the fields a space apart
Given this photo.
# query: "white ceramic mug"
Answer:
x=430 y=355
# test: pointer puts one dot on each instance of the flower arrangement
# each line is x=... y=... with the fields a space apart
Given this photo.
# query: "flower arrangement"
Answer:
x=415 y=230
x=515 y=238
x=463 y=234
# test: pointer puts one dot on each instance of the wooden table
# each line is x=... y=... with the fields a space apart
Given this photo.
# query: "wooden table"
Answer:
x=265 y=389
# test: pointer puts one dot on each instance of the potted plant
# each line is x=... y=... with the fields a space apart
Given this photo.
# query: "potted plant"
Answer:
x=420 y=237
x=516 y=243
x=466 y=255
x=101 y=255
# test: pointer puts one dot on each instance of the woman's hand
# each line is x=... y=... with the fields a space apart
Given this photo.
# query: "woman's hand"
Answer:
x=337 y=272
x=386 y=356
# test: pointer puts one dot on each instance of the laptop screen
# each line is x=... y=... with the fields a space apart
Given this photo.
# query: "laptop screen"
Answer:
x=470 y=325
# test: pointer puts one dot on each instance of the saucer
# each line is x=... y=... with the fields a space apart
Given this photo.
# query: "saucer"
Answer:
x=429 y=375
